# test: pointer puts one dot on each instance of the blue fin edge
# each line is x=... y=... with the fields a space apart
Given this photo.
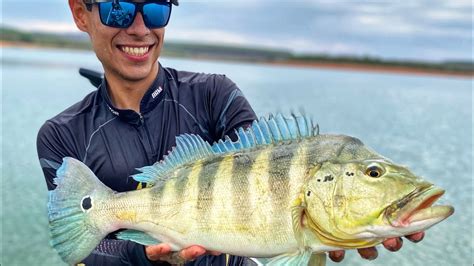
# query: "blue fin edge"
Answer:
x=138 y=237
x=190 y=147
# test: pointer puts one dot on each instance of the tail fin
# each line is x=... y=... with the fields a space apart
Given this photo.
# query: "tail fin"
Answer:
x=75 y=225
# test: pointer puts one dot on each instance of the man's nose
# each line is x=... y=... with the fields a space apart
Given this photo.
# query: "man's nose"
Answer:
x=138 y=26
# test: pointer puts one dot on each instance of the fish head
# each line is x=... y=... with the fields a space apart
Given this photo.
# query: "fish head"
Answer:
x=359 y=203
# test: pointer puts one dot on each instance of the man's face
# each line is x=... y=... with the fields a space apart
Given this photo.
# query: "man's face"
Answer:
x=129 y=54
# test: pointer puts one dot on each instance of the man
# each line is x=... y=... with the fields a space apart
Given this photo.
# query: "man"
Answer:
x=133 y=118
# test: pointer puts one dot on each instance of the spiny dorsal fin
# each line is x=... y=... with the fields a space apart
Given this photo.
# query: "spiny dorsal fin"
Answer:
x=188 y=148
x=191 y=147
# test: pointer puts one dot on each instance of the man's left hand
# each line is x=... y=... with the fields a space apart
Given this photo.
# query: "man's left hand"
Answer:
x=370 y=253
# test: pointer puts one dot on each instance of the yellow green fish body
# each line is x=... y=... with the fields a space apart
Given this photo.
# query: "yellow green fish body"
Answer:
x=281 y=191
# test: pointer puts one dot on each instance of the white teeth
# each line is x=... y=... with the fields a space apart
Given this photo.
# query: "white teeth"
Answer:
x=135 y=51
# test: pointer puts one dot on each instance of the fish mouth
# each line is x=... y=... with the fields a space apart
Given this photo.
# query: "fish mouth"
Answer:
x=417 y=207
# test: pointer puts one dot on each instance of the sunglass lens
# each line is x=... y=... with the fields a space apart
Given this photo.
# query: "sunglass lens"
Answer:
x=117 y=14
x=156 y=15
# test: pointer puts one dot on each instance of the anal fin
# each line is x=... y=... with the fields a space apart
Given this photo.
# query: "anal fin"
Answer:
x=138 y=237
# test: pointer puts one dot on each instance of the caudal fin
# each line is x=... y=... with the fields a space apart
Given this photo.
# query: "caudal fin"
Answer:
x=76 y=223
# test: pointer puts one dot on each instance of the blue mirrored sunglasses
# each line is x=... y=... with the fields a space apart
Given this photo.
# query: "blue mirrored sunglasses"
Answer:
x=122 y=13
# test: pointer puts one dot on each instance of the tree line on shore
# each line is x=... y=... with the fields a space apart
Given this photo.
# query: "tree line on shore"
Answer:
x=237 y=53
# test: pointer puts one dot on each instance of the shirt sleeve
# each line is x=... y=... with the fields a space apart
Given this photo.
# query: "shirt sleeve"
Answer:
x=51 y=148
x=230 y=109
x=119 y=253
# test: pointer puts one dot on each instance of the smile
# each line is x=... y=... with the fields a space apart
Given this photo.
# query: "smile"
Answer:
x=138 y=51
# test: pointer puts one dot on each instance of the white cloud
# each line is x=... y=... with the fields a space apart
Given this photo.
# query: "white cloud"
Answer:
x=397 y=25
x=386 y=24
x=370 y=9
x=448 y=15
x=297 y=44
x=460 y=4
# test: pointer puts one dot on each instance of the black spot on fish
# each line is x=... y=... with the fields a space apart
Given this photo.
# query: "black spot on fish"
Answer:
x=349 y=174
x=86 y=203
x=328 y=178
x=308 y=193
x=242 y=159
x=319 y=180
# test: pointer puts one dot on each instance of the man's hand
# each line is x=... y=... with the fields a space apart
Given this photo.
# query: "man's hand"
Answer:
x=163 y=252
x=392 y=244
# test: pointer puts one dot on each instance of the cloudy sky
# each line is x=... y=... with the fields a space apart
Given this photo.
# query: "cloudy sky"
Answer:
x=423 y=30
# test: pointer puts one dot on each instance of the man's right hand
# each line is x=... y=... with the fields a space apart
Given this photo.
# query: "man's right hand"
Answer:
x=163 y=252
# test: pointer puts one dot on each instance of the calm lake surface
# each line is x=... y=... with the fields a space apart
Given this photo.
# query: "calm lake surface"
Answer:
x=423 y=122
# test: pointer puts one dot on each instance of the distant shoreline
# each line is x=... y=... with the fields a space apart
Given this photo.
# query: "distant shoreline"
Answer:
x=376 y=68
x=358 y=67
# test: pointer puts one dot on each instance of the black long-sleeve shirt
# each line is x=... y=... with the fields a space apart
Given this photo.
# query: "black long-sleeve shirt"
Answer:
x=114 y=142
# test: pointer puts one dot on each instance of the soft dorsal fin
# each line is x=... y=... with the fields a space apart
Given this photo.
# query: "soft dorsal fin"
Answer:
x=189 y=147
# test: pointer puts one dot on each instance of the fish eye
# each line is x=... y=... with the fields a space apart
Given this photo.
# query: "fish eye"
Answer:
x=374 y=171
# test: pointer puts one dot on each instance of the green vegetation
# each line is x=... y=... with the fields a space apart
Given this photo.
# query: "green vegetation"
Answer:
x=447 y=66
x=247 y=54
x=43 y=39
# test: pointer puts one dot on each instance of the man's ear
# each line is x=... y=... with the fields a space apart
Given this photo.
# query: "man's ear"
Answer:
x=79 y=13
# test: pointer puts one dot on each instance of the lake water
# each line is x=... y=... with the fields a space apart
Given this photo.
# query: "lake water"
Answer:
x=421 y=121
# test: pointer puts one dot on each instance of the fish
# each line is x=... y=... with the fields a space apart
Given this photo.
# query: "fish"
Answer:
x=281 y=193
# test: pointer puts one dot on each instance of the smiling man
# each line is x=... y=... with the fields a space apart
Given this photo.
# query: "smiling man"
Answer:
x=133 y=118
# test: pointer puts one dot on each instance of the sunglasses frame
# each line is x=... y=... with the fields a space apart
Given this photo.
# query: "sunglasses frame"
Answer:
x=90 y=2
x=138 y=8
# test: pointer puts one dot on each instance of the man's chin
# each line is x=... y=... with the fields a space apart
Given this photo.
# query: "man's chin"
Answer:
x=137 y=74
x=131 y=77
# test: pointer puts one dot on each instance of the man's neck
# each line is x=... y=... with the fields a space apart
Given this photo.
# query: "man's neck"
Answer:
x=127 y=94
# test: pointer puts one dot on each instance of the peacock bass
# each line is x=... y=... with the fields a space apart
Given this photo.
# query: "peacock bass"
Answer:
x=281 y=193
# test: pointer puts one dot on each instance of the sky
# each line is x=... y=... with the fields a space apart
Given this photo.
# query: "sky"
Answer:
x=428 y=30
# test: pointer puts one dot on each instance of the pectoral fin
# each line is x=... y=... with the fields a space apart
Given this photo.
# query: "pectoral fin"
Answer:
x=297 y=212
x=137 y=236
x=304 y=236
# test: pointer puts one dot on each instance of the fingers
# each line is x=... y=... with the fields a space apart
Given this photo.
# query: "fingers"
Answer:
x=368 y=253
x=155 y=252
x=192 y=252
x=393 y=244
x=162 y=252
x=215 y=253
x=337 y=256
x=416 y=237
